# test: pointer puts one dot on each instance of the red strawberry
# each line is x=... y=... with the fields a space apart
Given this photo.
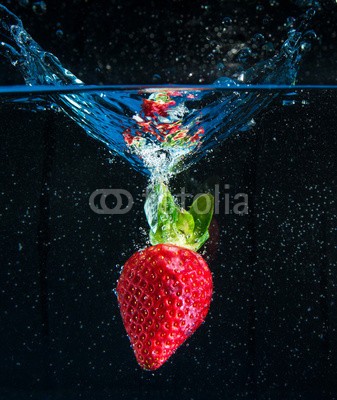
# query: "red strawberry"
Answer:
x=164 y=293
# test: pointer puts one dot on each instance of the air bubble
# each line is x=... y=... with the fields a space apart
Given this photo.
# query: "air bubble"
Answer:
x=227 y=21
x=24 y=3
x=220 y=66
x=310 y=35
x=305 y=46
x=310 y=13
x=290 y=22
x=268 y=47
x=244 y=54
x=40 y=7
x=258 y=39
x=59 y=33
x=156 y=78
x=267 y=20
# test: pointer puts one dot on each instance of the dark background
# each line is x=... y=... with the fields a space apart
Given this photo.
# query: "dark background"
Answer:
x=123 y=42
x=271 y=332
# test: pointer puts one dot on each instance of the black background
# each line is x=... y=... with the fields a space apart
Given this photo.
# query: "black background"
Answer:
x=123 y=42
x=271 y=332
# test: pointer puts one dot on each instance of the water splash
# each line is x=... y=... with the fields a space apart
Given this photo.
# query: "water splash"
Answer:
x=160 y=131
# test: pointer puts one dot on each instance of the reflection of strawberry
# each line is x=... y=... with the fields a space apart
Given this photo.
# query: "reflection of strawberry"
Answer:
x=153 y=108
x=170 y=131
x=164 y=294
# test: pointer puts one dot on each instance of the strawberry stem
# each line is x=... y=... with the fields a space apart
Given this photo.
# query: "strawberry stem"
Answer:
x=170 y=223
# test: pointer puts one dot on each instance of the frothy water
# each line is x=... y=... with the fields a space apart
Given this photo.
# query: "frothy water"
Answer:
x=159 y=130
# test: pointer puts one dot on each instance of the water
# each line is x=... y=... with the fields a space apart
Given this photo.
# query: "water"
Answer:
x=161 y=131
x=273 y=316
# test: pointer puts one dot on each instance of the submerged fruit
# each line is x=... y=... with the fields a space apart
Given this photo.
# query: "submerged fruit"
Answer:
x=164 y=293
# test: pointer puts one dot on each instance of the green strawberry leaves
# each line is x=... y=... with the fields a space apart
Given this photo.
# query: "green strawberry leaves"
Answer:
x=171 y=224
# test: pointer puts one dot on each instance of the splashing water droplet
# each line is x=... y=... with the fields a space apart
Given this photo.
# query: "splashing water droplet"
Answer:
x=305 y=46
x=288 y=103
x=40 y=7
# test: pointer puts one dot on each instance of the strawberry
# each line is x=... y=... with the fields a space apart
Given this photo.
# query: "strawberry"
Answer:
x=164 y=291
x=164 y=294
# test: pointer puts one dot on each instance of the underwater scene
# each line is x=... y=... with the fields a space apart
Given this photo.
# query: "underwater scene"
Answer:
x=168 y=200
